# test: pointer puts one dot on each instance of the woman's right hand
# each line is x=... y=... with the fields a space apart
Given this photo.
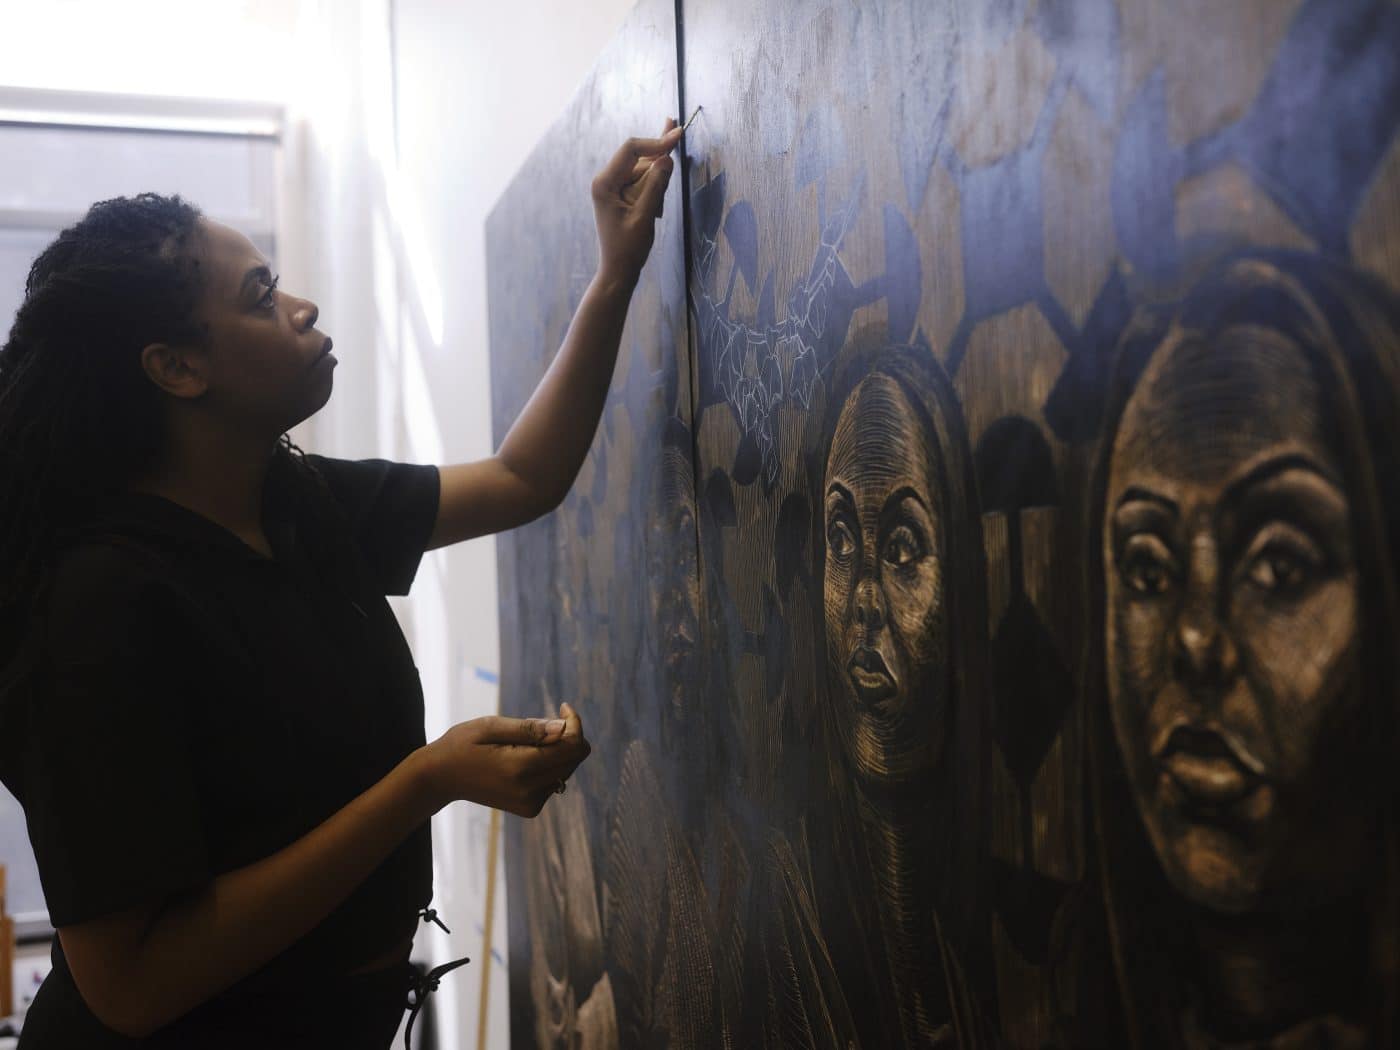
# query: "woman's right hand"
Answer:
x=627 y=201
x=512 y=764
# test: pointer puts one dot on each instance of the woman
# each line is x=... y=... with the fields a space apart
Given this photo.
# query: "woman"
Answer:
x=1245 y=516
x=894 y=846
x=210 y=716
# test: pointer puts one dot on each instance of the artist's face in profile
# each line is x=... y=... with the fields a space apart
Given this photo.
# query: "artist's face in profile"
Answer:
x=262 y=368
x=1231 y=622
x=886 y=634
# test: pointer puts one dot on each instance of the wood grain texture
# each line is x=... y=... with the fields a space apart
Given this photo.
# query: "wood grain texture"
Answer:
x=1007 y=212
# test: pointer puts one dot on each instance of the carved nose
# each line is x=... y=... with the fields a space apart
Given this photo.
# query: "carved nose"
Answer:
x=1204 y=653
x=870 y=605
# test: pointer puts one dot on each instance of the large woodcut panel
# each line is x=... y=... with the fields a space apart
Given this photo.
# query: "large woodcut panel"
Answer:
x=925 y=238
x=598 y=602
x=878 y=339
x=1018 y=666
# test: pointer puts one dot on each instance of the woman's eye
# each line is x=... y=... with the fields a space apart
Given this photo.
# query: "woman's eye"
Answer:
x=839 y=539
x=1278 y=569
x=1146 y=565
x=1283 y=560
x=903 y=546
x=266 y=300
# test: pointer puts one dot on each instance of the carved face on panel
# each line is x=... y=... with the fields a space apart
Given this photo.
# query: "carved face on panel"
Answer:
x=673 y=577
x=883 y=583
x=1232 y=632
x=569 y=983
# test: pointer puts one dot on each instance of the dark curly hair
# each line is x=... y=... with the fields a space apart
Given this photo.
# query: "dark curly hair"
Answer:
x=78 y=415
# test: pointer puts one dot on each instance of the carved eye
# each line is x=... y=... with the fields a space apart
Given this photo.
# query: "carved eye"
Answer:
x=1283 y=563
x=839 y=539
x=1146 y=565
x=1277 y=573
x=903 y=546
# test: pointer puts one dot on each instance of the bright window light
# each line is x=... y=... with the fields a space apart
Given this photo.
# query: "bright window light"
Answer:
x=236 y=49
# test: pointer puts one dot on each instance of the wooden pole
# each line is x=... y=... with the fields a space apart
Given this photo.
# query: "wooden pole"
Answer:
x=7 y=953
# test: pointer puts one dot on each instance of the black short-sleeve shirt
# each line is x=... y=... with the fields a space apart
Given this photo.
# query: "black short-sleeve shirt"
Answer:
x=198 y=706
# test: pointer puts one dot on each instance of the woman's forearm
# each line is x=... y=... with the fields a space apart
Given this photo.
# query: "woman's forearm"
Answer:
x=548 y=442
x=201 y=945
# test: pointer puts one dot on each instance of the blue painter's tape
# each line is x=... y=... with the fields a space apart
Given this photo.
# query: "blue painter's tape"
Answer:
x=495 y=952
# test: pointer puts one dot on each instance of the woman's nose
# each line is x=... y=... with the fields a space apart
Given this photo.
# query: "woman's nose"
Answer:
x=306 y=314
x=870 y=605
x=1202 y=649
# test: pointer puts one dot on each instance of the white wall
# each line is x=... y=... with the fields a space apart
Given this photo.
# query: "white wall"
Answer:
x=478 y=83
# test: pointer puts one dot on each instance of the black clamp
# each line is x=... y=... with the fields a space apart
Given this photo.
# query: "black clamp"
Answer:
x=430 y=915
x=425 y=984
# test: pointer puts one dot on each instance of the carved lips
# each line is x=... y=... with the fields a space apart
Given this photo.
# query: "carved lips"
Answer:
x=1209 y=765
x=870 y=676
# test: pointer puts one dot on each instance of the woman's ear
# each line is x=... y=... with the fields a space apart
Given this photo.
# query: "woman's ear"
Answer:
x=177 y=371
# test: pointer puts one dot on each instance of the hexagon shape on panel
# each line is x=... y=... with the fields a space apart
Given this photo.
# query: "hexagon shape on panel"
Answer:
x=999 y=95
x=1002 y=232
x=1055 y=844
x=1215 y=70
x=1083 y=35
x=1011 y=365
x=862 y=250
x=939 y=230
x=1325 y=116
x=1021 y=985
x=717 y=436
x=1079 y=241
x=1004 y=840
x=1144 y=25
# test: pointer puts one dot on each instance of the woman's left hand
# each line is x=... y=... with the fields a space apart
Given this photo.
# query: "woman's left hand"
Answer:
x=627 y=201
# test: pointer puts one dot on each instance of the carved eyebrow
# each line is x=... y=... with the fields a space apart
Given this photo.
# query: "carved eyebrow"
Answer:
x=1135 y=494
x=889 y=513
x=903 y=493
x=838 y=489
x=1271 y=468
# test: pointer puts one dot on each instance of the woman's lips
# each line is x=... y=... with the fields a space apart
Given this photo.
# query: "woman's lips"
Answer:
x=1214 y=781
x=870 y=676
x=1210 y=765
